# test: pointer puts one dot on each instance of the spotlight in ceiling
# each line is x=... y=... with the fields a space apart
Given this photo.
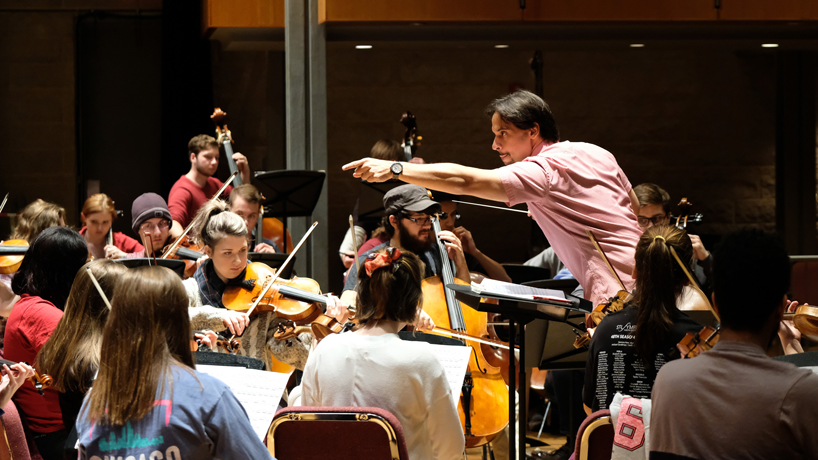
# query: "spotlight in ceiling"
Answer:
x=363 y=47
x=769 y=45
x=501 y=47
x=637 y=45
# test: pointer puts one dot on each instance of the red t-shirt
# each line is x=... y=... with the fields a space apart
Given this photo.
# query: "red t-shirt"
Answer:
x=125 y=243
x=186 y=197
x=30 y=324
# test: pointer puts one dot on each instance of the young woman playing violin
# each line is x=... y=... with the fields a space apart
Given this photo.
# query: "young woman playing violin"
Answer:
x=43 y=284
x=630 y=346
x=223 y=236
x=98 y=214
x=72 y=353
x=372 y=366
x=147 y=400
x=36 y=217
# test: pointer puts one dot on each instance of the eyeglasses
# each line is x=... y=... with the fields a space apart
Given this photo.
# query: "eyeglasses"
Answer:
x=148 y=226
x=422 y=221
x=655 y=220
x=445 y=215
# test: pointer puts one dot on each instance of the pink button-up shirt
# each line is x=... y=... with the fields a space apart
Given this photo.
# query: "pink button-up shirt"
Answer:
x=569 y=188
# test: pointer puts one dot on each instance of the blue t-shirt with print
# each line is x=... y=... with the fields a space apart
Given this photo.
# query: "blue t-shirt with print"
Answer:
x=201 y=419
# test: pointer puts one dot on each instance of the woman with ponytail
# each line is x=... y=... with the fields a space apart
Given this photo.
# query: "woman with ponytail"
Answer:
x=373 y=367
x=630 y=346
x=224 y=239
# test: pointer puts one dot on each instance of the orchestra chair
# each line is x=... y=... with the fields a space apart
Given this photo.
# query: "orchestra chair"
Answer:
x=13 y=443
x=339 y=433
x=595 y=437
x=804 y=273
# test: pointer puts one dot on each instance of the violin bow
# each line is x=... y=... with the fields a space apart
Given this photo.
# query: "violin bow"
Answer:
x=99 y=288
x=184 y=234
x=280 y=269
x=694 y=283
x=3 y=204
x=495 y=343
x=491 y=207
x=354 y=243
x=604 y=257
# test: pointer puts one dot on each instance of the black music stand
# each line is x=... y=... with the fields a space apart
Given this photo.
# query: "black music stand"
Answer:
x=519 y=313
x=289 y=193
x=177 y=265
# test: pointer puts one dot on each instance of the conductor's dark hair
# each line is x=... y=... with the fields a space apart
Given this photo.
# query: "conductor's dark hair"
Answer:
x=524 y=110
x=746 y=293
x=393 y=294
x=50 y=265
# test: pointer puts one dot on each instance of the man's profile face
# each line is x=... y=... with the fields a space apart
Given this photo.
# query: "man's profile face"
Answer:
x=206 y=161
x=513 y=144
x=247 y=211
x=652 y=214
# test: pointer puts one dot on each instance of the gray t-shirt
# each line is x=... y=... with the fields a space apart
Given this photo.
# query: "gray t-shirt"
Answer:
x=734 y=402
x=200 y=419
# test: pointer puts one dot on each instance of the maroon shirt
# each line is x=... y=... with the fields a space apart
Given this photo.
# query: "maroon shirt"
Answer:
x=186 y=197
x=125 y=243
x=30 y=324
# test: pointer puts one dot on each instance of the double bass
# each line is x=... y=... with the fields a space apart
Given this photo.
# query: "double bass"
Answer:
x=270 y=227
x=483 y=403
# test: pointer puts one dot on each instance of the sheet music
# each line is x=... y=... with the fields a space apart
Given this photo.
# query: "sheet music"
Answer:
x=258 y=391
x=516 y=290
x=455 y=361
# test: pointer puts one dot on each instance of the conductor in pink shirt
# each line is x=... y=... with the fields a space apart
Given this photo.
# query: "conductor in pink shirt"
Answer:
x=569 y=187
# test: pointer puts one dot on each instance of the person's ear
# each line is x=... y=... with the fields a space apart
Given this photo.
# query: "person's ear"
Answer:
x=393 y=221
x=206 y=250
x=82 y=217
x=192 y=157
x=535 y=131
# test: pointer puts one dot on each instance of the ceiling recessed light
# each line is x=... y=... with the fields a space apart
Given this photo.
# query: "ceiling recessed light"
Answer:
x=637 y=45
x=499 y=47
x=363 y=47
x=770 y=45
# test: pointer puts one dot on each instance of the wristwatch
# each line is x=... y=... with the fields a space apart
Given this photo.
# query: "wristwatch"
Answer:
x=397 y=169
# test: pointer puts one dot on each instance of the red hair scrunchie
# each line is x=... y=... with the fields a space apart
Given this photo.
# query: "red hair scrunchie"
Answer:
x=376 y=260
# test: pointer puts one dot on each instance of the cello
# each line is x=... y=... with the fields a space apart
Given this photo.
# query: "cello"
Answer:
x=483 y=403
x=270 y=227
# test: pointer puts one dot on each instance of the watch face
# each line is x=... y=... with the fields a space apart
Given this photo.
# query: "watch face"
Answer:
x=397 y=168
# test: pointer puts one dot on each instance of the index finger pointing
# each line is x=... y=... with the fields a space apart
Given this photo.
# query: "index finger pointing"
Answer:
x=354 y=164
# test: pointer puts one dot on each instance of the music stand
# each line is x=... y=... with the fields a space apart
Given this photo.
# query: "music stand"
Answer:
x=519 y=313
x=274 y=260
x=178 y=266
x=289 y=193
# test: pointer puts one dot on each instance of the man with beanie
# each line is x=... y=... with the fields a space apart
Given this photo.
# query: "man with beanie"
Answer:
x=150 y=221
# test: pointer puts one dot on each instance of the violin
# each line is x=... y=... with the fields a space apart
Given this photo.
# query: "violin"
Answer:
x=695 y=343
x=11 y=263
x=40 y=381
x=614 y=304
x=483 y=403
x=231 y=346
x=187 y=251
x=299 y=301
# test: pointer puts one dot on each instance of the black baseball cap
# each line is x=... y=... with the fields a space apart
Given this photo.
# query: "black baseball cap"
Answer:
x=407 y=198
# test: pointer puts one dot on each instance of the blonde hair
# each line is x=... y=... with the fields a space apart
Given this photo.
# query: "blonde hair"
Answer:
x=99 y=202
x=148 y=331
x=71 y=354
x=214 y=222
x=36 y=217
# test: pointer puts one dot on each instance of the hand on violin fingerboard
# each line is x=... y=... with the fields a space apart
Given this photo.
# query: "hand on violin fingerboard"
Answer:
x=789 y=335
x=235 y=321
x=14 y=378
x=698 y=248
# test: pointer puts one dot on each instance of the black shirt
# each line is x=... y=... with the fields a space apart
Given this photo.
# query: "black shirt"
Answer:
x=613 y=365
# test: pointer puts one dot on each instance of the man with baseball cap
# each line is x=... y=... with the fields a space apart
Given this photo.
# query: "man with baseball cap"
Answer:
x=408 y=224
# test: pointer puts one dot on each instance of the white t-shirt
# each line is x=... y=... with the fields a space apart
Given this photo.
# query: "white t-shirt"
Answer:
x=402 y=377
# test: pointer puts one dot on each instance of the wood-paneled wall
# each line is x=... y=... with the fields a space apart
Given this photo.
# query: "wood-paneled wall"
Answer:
x=242 y=13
